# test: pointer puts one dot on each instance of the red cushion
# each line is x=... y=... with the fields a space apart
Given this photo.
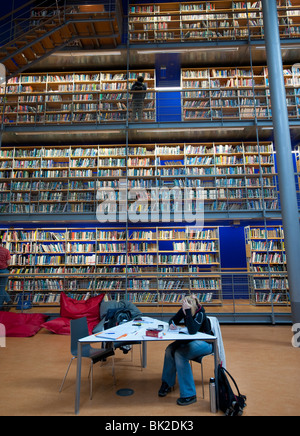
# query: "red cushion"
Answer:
x=21 y=325
x=60 y=326
x=70 y=308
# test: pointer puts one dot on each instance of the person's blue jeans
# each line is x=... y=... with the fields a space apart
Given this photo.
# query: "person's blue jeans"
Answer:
x=4 y=297
x=177 y=360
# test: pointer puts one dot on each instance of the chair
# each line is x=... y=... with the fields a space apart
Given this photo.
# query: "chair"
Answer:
x=115 y=305
x=120 y=345
x=215 y=327
x=79 y=329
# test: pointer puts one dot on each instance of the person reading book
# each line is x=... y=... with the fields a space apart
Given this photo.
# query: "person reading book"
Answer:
x=179 y=353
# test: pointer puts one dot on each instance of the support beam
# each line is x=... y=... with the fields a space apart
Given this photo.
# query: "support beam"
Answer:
x=286 y=176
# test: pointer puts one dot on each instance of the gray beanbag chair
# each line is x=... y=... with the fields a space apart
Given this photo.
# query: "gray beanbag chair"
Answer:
x=122 y=304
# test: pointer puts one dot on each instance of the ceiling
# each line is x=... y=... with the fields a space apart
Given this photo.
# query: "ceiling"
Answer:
x=239 y=53
x=176 y=132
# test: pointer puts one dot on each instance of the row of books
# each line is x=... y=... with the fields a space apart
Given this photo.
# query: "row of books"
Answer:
x=135 y=297
x=261 y=233
x=274 y=283
x=140 y=212
x=108 y=235
x=138 y=259
x=268 y=297
x=120 y=150
x=269 y=245
x=36 y=285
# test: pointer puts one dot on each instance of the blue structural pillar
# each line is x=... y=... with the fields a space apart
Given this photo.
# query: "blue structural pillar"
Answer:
x=282 y=139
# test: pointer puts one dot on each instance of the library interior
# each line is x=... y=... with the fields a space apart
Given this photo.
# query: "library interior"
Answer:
x=187 y=184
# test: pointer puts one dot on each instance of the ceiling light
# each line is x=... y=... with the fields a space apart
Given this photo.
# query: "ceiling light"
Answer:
x=69 y=132
x=201 y=129
x=186 y=50
x=87 y=53
x=171 y=88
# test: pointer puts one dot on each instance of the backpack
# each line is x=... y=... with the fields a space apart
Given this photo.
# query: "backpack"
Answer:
x=139 y=87
x=115 y=317
x=229 y=403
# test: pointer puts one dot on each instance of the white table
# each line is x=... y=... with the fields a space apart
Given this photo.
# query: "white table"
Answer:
x=130 y=332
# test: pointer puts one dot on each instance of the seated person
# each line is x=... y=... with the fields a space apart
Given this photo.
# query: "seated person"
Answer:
x=179 y=353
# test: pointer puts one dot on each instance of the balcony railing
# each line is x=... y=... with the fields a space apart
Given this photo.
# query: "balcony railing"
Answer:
x=30 y=104
x=199 y=22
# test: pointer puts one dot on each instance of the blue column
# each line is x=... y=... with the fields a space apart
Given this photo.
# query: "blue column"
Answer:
x=282 y=139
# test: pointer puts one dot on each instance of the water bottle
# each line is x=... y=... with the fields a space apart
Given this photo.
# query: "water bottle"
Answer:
x=212 y=395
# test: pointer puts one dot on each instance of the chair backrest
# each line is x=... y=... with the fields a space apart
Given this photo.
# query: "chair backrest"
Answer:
x=79 y=329
x=215 y=326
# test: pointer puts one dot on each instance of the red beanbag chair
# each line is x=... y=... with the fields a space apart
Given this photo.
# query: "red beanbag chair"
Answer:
x=60 y=326
x=21 y=325
x=73 y=309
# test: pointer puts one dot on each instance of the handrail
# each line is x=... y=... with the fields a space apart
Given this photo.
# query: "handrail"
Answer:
x=17 y=10
x=43 y=21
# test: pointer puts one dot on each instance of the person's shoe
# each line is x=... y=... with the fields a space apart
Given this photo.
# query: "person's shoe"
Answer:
x=186 y=401
x=164 y=389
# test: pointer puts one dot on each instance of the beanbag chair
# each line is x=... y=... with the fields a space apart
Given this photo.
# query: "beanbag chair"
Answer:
x=73 y=309
x=59 y=326
x=21 y=325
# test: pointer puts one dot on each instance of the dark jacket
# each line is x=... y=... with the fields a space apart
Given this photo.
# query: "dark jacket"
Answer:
x=138 y=86
x=198 y=323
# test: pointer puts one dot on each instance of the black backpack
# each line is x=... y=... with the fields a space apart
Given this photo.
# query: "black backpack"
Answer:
x=115 y=317
x=229 y=403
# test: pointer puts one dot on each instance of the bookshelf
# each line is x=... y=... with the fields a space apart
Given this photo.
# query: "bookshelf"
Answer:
x=234 y=93
x=150 y=178
x=208 y=21
x=148 y=265
x=73 y=97
x=225 y=93
x=267 y=261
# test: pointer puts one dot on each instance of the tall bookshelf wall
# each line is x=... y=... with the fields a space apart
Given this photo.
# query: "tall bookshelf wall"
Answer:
x=267 y=262
x=208 y=21
x=234 y=93
x=149 y=266
x=235 y=176
x=237 y=93
x=74 y=97
x=152 y=266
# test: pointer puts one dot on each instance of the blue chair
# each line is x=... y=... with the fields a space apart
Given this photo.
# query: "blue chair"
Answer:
x=79 y=329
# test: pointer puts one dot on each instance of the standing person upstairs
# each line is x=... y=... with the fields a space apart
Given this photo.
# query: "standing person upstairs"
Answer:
x=5 y=259
x=138 y=91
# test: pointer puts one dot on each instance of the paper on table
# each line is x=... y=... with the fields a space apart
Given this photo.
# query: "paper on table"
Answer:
x=178 y=329
x=130 y=330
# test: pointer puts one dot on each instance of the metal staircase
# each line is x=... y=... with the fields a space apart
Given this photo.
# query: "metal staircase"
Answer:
x=40 y=31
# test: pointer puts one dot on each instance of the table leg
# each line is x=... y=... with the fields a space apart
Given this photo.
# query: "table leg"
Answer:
x=78 y=378
x=144 y=345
